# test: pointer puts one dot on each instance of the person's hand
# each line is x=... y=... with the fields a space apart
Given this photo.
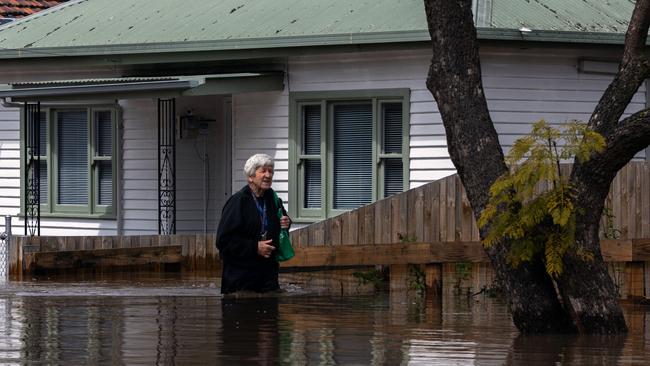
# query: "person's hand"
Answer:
x=264 y=248
x=285 y=222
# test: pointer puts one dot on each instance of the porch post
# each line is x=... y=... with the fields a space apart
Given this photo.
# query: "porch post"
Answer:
x=166 y=166
x=32 y=168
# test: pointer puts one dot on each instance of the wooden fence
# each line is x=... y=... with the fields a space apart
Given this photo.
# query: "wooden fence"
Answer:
x=194 y=253
x=433 y=223
x=440 y=212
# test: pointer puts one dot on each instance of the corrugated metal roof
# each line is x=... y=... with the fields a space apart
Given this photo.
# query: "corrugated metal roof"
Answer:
x=127 y=26
x=611 y=16
x=208 y=84
x=98 y=81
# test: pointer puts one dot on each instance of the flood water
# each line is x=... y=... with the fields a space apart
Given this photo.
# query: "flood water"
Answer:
x=189 y=323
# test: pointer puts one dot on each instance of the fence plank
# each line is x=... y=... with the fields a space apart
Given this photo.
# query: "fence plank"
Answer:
x=104 y=258
x=335 y=230
x=442 y=214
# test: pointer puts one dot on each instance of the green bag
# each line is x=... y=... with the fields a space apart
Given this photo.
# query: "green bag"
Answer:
x=284 y=252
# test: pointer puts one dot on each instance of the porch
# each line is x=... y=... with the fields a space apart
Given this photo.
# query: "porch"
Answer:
x=127 y=155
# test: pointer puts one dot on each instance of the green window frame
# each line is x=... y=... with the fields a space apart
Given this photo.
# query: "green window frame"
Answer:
x=384 y=114
x=89 y=190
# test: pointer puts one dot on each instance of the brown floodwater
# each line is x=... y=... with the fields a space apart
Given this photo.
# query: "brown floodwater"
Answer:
x=180 y=322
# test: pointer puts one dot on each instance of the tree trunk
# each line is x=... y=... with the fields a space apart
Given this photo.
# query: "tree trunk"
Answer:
x=455 y=81
x=586 y=288
x=589 y=302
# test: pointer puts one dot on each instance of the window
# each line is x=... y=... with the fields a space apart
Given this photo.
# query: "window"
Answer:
x=347 y=149
x=76 y=161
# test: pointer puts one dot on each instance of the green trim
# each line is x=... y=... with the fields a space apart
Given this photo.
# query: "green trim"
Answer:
x=74 y=215
x=326 y=100
x=50 y=208
x=300 y=157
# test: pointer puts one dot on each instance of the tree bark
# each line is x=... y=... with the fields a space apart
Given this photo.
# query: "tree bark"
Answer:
x=455 y=81
x=586 y=288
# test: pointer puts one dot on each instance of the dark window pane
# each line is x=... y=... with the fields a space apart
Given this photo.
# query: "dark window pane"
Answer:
x=43 y=181
x=311 y=130
x=105 y=177
x=313 y=191
x=72 y=145
x=393 y=177
x=392 y=115
x=352 y=155
x=104 y=132
x=41 y=125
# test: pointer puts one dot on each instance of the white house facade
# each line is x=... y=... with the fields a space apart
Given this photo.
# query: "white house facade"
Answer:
x=346 y=126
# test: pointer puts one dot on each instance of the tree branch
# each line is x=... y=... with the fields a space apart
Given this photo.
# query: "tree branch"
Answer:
x=630 y=136
x=637 y=32
x=633 y=70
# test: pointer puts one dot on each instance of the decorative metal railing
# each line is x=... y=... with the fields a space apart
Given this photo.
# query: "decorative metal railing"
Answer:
x=32 y=160
x=166 y=166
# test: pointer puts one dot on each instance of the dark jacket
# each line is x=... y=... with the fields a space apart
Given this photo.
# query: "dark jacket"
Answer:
x=237 y=237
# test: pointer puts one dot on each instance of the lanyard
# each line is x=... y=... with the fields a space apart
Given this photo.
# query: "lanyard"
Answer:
x=261 y=210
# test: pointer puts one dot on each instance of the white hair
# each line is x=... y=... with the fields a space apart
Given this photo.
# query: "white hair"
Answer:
x=257 y=161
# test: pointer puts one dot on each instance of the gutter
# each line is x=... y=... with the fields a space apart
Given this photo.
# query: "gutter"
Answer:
x=268 y=44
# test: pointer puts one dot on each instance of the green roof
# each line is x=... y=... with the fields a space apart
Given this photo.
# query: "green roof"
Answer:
x=101 y=27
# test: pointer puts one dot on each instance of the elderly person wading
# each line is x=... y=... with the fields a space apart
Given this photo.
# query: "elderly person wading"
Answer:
x=248 y=232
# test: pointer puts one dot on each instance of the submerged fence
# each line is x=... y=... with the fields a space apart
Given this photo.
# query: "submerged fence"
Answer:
x=425 y=226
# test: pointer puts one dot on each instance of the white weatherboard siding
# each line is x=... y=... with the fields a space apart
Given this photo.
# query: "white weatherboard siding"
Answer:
x=9 y=162
x=520 y=89
x=429 y=159
x=194 y=169
x=140 y=167
x=261 y=125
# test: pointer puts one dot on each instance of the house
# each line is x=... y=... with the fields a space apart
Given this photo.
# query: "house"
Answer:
x=135 y=117
x=11 y=10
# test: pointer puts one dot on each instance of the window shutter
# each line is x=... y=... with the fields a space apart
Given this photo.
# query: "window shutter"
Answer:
x=72 y=145
x=104 y=148
x=392 y=113
x=352 y=131
x=43 y=181
x=43 y=155
x=392 y=144
x=105 y=189
x=393 y=176
x=42 y=151
x=311 y=146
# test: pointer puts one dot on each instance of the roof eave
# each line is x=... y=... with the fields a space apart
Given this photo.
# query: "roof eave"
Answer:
x=271 y=43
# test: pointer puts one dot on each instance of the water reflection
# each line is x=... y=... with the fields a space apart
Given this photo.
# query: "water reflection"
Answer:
x=111 y=328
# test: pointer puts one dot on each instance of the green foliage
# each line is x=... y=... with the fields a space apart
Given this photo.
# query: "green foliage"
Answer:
x=463 y=272
x=534 y=191
x=609 y=230
x=406 y=238
x=378 y=277
x=416 y=279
